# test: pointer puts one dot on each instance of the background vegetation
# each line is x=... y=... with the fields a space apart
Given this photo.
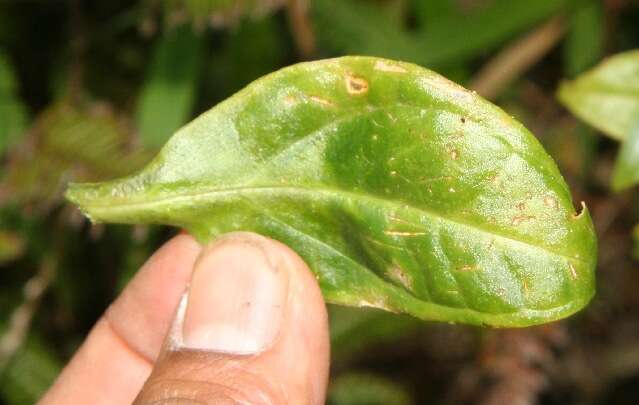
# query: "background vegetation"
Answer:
x=90 y=89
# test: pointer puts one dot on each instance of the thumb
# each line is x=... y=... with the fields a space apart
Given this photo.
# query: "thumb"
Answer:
x=250 y=329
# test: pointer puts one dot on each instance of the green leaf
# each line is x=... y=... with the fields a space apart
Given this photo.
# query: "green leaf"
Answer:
x=168 y=94
x=13 y=114
x=606 y=97
x=361 y=28
x=584 y=42
x=367 y=389
x=402 y=190
x=626 y=171
x=429 y=11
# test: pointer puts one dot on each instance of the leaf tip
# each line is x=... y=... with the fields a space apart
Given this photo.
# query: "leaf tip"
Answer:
x=81 y=195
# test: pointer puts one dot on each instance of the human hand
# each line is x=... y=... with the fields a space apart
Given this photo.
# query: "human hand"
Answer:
x=251 y=328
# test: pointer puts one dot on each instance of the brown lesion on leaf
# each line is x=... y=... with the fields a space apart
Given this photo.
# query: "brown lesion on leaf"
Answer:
x=573 y=271
x=356 y=85
x=396 y=273
x=493 y=178
x=551 y=202
x=290 y=100
x=467 y=268
x=521 y=206
x=518 y=219
x=384 y=66
x=454 y=154
x=394 y=218
x=321 y=101
x=376 y=303
x=384 y=244
x=403 y=233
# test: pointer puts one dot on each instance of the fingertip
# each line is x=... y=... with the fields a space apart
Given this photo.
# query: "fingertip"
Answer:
x=252 y=325
x=307 y=325
x=143 y=312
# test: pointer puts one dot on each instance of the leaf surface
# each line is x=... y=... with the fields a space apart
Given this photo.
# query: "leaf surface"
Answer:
x=400 y=189
x=626 y=171
x=606 y=97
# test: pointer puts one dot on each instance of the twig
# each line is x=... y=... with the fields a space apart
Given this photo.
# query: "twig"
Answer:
x=21 y=317
x=516 y=58
x=300 y=22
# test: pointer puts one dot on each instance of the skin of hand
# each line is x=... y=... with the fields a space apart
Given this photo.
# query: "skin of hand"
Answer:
x=240 y=321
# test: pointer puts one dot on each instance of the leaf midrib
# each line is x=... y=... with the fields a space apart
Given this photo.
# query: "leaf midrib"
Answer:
x=172 y=200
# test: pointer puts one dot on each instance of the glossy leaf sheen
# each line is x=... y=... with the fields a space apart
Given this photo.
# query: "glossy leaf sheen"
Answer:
x=607 y=97
x=402 y=191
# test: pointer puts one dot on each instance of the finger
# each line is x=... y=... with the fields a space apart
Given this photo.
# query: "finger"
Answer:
x=252 y=328
x=117 y=356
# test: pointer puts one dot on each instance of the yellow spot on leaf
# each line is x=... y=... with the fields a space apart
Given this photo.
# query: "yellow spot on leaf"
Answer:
x=551 y=202
x=404 y=233
x=322 y=101
x=384 y=66
x=573 y=271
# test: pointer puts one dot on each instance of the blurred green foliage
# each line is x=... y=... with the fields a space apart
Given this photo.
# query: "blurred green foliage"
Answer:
x=90 y=89
x=12 y=111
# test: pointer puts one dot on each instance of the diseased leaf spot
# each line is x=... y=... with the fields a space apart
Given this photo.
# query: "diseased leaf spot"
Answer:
x=550 y=202
x=521 y=206
x=384 y=66
x=463 y=120
x=356 y=85
x=467 y=268
x=322 y=101
x=518 y=219
x=290 y=100
x=380 y=303
x=397 y=274
x=404 y=233
x=573 y=271
x=454 y=154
